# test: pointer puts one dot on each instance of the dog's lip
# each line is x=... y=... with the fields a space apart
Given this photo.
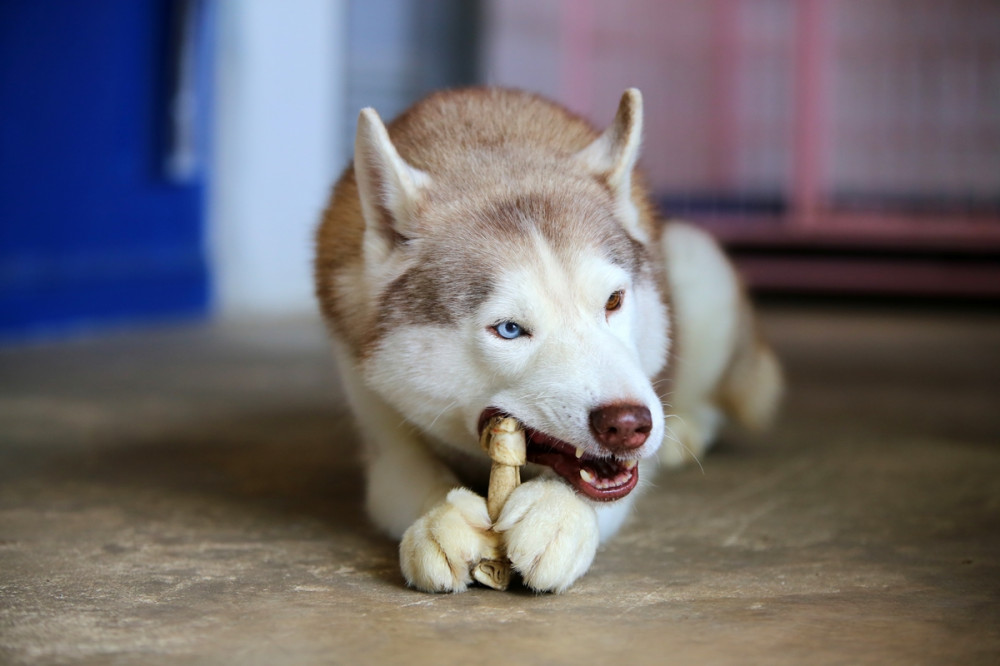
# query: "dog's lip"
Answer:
x=603 y=479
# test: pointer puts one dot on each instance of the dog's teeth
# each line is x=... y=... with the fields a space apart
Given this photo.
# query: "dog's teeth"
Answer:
x=630 y=464
x=587 y=476
x=579 y=452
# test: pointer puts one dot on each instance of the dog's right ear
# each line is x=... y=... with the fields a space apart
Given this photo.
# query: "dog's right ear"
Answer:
x=388 y=187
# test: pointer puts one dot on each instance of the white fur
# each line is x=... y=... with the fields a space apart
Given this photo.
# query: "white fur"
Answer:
x=438 y=551
x=705 y=299
x=577 y=357
x=550 y=534
x=404 y=478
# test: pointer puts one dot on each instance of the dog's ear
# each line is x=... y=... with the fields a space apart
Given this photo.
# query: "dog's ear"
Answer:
x=612 y=156
x=614 y=153
x=388 y=187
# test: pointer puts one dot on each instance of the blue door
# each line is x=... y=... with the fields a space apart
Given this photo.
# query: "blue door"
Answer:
x=93 y=229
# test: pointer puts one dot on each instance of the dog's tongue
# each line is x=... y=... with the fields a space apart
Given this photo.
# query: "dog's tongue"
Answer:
x=601 y=479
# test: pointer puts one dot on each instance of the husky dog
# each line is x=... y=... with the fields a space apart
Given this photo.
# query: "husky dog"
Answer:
x=490 y=253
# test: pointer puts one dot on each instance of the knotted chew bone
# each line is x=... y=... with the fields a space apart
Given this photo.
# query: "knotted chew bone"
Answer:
x=503 y=440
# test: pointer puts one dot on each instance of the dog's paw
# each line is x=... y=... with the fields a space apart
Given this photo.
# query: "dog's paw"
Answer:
x=551 y=534
x=438 y=550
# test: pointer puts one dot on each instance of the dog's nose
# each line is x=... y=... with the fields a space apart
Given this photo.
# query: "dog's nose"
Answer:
x=621 y=428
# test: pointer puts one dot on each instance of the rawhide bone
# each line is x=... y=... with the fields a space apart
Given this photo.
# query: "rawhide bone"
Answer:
x=503 y=439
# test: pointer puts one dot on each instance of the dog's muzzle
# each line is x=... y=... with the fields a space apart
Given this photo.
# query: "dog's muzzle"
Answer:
x=621 y=429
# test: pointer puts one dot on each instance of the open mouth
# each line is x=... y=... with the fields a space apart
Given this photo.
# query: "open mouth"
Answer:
x=599 y=478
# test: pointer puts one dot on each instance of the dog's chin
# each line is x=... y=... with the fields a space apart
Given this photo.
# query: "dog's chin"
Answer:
x=602 y=479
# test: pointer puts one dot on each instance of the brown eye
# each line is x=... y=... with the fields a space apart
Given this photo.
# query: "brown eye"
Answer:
x=614 y=301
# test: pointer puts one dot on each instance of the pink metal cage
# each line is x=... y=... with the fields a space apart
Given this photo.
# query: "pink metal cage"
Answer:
x=866 y=128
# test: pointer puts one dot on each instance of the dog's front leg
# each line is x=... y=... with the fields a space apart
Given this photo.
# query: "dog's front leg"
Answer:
x=411 y=495
x=445 y=529
x=551 y=534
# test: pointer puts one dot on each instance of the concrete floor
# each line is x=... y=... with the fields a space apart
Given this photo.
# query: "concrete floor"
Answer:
x=191 y=495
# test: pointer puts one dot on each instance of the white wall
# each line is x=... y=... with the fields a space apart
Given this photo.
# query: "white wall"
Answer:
x=276 y=149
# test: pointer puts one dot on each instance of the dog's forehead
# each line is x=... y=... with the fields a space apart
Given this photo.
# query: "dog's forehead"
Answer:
x=545 y=283
x=572 y=218
x=469 y=250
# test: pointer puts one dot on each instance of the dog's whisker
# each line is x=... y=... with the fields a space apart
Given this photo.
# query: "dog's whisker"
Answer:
x=674 y=438
x=441 y=413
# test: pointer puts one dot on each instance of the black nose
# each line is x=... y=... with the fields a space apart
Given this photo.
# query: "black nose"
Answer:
x=621 y=428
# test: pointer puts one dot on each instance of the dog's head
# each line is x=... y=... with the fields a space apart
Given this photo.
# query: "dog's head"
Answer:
x=521 y=282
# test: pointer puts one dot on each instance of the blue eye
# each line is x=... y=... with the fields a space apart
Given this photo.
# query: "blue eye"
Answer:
x=508 y=330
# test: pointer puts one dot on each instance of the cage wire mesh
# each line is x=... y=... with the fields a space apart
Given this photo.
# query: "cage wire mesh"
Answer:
x=810 y=112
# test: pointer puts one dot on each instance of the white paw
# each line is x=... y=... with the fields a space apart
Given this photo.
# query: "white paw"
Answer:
x=551 y=534
x=438 y=550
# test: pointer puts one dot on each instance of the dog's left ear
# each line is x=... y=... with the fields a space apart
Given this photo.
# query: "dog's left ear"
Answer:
x=612 y=156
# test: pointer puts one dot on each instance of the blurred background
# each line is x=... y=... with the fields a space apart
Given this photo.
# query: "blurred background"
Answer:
x=167 y=160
